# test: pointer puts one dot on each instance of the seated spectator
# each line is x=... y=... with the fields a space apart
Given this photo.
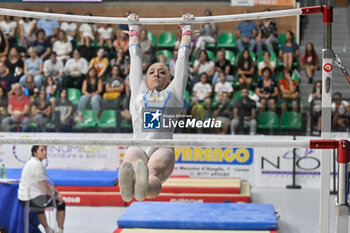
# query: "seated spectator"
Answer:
x=244 y=113
x=6 y=78
x=123 y=61
x=289 y=51
x=9 y=27
x=223 y=86
x=87 y=32
x=35 y=191
x=50 y=89
x=64 y=106
x=29 y=88
x=246 y=33
x=91 y=93
x=340 y=108
x=100 y=63
x=267 y=35
x=309 y=61
x=315 y=99
x=41 y=111
x=75 y=70
x=114 y=89
x=4 y=47
x=147 y=50
x=202 y=91
x=289 y=91
x=62 y=47
x=54 y=68
x=3 y=103
x=15 y=64
x=105 y=35
x=207 y=34
x=222 y=64
x=203 y=65
x=267 y=62
x=42 y=46
x=122 y=42
x=33 y=65
x=222 y=112
x=245 y=70
x=27 y=29
x=50 y=26
x=267 y=91
x=18 y=109
x=70 y=28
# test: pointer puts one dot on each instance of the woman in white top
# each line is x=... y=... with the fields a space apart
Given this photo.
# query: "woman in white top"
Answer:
x=203 y=65
x=27 y=28
x=8 y=27
x=145 y=169
x=87 y=32
x=35 y=189
x=62 y=47
x=105 y=35
x=70 y=28
x=75 y=70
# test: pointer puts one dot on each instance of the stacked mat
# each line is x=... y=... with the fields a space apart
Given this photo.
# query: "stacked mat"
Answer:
x=146 y=217
x=174 y=190
x=99 y=188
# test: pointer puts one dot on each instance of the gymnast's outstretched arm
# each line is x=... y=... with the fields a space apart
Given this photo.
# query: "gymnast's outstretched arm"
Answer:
x=135 y=51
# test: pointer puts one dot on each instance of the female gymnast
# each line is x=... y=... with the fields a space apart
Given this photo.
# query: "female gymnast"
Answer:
x=145 y=169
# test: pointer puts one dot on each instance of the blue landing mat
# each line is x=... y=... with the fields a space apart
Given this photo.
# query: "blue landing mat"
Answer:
x=74 y=177
x=218 y=216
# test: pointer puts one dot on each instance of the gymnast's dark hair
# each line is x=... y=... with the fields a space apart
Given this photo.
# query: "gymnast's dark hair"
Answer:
x=34 y=149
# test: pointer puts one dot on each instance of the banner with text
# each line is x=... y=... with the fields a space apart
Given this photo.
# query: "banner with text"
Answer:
x=263 y=167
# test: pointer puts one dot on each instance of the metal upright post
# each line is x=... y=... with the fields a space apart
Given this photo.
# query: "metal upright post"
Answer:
x=342 y=205
x=327 y=65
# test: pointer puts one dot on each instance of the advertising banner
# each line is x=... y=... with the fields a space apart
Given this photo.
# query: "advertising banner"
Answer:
x=261 y=167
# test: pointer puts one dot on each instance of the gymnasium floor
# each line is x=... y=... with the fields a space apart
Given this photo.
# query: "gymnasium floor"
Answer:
x=298 y=211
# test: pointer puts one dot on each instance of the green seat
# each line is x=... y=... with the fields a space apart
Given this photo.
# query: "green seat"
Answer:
x=89 y=119
x=267 y=120
x=166 y=40
x=230 y=56
x=291 y=121
x=73 y=95
x=108 y=119
x=210 y=46
x=152 y=37
x=125 y=124
x=187 y=97
x=50 y=125
x=226 y=40
x=239 y=95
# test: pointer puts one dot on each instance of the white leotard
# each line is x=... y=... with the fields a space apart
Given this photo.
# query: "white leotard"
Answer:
x=166 y=100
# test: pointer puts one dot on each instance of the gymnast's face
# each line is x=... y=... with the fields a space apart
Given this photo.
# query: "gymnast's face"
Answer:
x=41 y=153
x=157 y=77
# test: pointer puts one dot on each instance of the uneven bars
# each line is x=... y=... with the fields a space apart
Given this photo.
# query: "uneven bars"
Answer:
x=154 y=142
x=155 y=21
